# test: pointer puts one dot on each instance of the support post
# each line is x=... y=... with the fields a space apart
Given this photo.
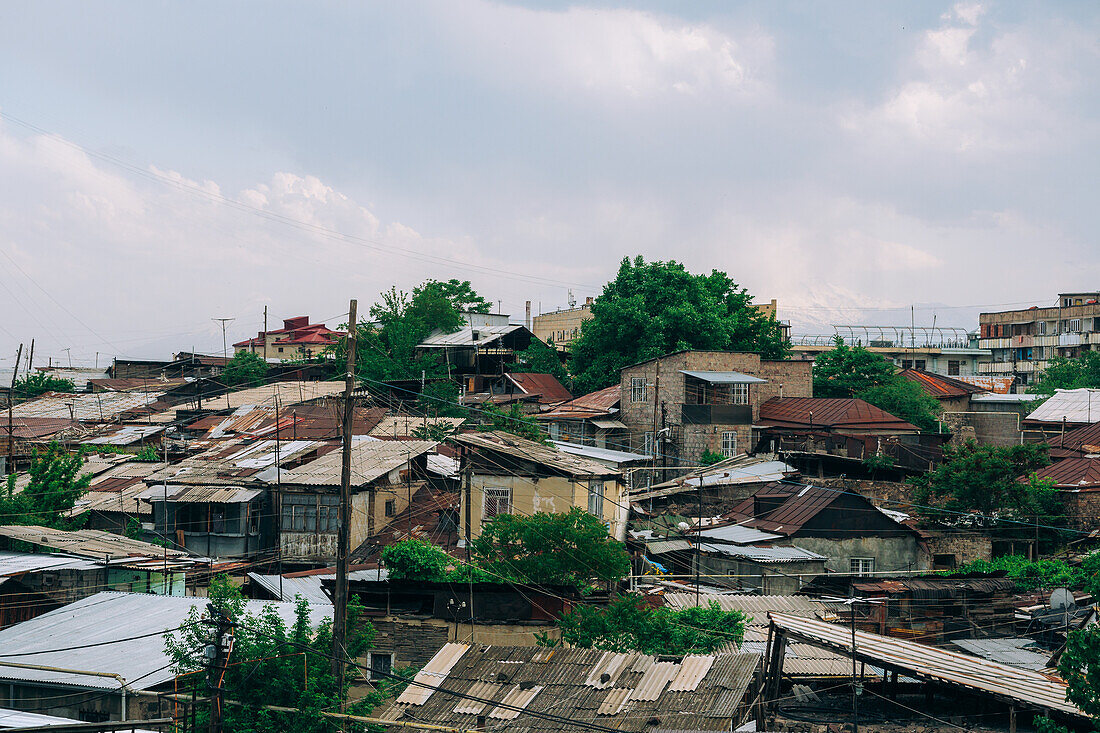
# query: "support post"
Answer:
x=343 y=539
x=11 y=403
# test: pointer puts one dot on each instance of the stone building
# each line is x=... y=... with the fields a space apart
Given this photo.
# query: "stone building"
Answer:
x=680 y=405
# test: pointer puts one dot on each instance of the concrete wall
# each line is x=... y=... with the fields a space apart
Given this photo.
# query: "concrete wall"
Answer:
x=779 y=579
x=890 y=553
x=553 y=494
x=987 y=428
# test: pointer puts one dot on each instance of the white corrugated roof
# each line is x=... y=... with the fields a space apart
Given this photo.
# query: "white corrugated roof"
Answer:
x=724 y=377
x=1074 y=405
x=370 y=460
x=19 y=719
x=764 y=554
x=738 y=534
x=310 y=586
x=110 y=616
x=465 y=336
x=598 y=454
x=14 y=563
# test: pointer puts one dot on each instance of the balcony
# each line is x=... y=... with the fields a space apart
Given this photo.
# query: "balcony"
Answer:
x=716 y=414
x=1001 y=343
x=1069 y=339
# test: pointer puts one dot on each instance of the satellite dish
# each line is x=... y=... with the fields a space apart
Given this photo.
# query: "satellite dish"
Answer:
x=1061 y=599
x=682 y=526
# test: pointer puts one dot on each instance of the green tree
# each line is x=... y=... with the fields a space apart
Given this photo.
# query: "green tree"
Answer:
x=571 y=548
x=460 y=294
x=1079 y=666
x=627 y=624
x=440 y=399
x=654 y=308
x=1065 y=373
x=709 y=457
x=423 y=561
x=512 y=421
x=905 y=399
x=541 y=358
x=39 y=383
x=846 y=371
x=273 y=663
x=245 y=369
x=1030 y=574
x=985 y=479
x=55 y=485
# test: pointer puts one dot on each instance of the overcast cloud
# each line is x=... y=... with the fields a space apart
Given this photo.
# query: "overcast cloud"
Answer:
x=165 y=163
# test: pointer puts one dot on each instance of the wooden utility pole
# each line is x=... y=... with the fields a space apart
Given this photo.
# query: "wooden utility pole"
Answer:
x=265 y=334
x=30 y=359
x=11 y=402
x=343 y=538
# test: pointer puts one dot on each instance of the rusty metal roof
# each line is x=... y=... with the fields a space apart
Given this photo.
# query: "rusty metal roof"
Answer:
x=371 y=459
x=288 y=393
x=1012 y=684
x=829 y=412
x=404 y=426
x=1072 y=473
x=546 y=386
x=939 y=386
x=1085 y=440
x=308 y=422
x=97 y=407
x=91 y=543
x=594 y=404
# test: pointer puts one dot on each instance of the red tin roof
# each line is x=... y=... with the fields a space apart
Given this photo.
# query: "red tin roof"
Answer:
x=939 y=386
x=830 y=412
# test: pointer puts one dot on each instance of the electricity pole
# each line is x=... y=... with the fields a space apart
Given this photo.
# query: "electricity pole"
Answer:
x=343 y=537
x=11 y=401
x=225 y=349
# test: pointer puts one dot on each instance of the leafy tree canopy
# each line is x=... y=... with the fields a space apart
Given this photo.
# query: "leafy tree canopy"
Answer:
x=423 y=561
x=627 y=624
x=245 y=369
x=460 y=294
x=845 y=371
x=1031 y=574
x=984 y=479
x=273 y=663
x=905 y=399
x=654 y=308
x=710 y=457
x=571 y=548
x=1079 y=666
x=513 y=420
x=55 y=485
x=1075 y=373
x=38 y=383
x=541 y=358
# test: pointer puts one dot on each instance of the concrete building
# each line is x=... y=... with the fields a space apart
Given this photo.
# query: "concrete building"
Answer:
x=1023 y=341
x=678 y=406
x=297 y=339
x=940 y=350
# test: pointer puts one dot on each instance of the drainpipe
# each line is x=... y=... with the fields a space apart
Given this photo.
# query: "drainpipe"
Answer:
x=112 y=675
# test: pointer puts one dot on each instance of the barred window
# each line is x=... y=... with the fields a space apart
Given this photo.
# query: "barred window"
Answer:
x=497 y=501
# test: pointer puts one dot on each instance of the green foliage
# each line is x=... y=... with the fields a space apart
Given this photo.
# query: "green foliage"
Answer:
x=653 y=308
x=1080 y=668
x=440 y=399
x=541 y=358
x=460 y=294
x=1063 y=373
x=709 y=457
x=437 y=432
x=55 y=485
x=571 y=548
x=148 y=454
x=245 y=369
x=984 y=479
x=272 y=663
x=1091 y=568
x=423 y=561
x=845 y=371
x=1031 y=574
x=627 y=624
x=1044 y=724
x=38 y=383
x=905 y=399
x=513 y=421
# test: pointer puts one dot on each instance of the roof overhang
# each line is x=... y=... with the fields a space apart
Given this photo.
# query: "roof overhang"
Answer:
x=724 y=377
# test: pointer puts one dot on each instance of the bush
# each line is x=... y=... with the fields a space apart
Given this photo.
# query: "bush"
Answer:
x=1031 y=574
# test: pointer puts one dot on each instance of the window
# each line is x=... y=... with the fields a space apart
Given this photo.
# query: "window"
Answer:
x=954 y=367
x=1042 y=327
x=280 y=349
x=497 y=501
x=311 y=513
x=906 y=363
x=739 y=394
x=595 y=498
x=729 y=443
x=637 y=389
x=943 y=562
x=862 y=565
x=1074 y=325
x=381 y=665
x=919 y=364
x=391 y=507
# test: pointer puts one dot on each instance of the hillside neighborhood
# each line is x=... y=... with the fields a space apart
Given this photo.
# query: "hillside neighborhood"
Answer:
x=451 y=519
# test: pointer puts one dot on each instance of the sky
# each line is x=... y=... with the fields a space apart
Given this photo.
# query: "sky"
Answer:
x=163 y=164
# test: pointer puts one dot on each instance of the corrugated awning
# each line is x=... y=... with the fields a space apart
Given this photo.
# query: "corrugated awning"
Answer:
x=609 y=424
x=725 y=377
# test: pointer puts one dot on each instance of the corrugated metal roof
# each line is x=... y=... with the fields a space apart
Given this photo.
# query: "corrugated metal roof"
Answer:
x=724 y=377
x=593 y=404
x=1015 y=652
x=404 y=426
x=741 y=469
x=92 y=543
x=546 y=386
x=19 y=719
x=829 y=412
x=757 y=606
x=658 y=547
x=370 y=460
x=16 y=563
x=939 y=386
x=603 y=455
x=209 y=495
x=1021 y=685
x=288 y=393
x=764 y=554
x=464 y=337
x=238 y=461
x=738 y=534
x=310 y=586
x=97 y=407
x=114 y=618
x=1074 y=405
x=1073 y=473
x=529 y=450
x=127 y=435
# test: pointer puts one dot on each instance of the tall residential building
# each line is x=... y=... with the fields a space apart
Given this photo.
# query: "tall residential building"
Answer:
x=948 y=351
x=1023 y=341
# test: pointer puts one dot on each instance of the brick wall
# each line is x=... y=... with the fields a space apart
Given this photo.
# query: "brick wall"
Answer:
x=965 y=546
x=986 y=428
x=1082 y=509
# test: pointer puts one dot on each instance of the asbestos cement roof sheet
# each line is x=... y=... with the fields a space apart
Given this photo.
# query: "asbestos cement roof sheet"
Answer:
x=738 y=534
x=97 y=407
x=725 y=377
x=127 y=435
x=1015 y=652
x=529 y=450
x=1073 y=405
x=371 y=459
x=106 y=623
x=1002 y=681
x=757 y=607
x=287 y=393
x=92 y=543
x=17 y=563
x=464 y=337
x=604 y=455
x=764 y=555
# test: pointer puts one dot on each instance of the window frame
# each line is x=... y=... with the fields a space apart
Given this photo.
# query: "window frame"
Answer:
x=597 y=491
x=726 y=434
x=374 y=671
x=491 y=501
x=861 y=566
x=638 y=386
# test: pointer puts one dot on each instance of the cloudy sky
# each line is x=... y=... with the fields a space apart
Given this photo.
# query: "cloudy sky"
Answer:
x=163 y=163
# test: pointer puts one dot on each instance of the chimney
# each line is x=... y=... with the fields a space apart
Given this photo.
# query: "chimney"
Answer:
x=528 y=321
